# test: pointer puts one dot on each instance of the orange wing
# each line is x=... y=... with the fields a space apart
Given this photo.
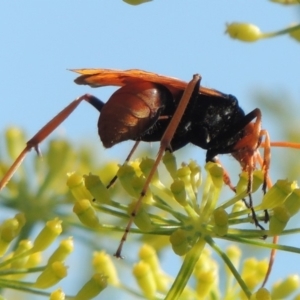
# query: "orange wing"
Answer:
x=105 y=77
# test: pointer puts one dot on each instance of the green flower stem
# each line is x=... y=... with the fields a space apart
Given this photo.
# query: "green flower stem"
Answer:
x=192 y=213
x=233 y=200
x=162 y=220
x=162 y=192
x=245 y=220
x=246 y=233
x=263 y=244
x=280 y=32
x=162 y=230
x=21 y=271
x=121 y=215
x=139 y=295
x=10 y=260
x=229 y=264
x=186 y=270
x=170 y=210
x=291 y=231
x=29 y=290
x=111 y=212
x=24 y=233
x=22 y=286
x=115 y=204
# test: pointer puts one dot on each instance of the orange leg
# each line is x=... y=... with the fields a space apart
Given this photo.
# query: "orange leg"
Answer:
x=126 y=160
x=164 y=143
x=45 y=131
x=226 y=177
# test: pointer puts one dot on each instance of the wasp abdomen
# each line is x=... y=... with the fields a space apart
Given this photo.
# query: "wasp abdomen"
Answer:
x=130 y=112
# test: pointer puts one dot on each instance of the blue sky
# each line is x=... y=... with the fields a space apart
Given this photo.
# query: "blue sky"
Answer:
x=40 y=40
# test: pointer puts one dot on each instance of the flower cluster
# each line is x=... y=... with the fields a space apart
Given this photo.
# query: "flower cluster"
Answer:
x=188 y=213
x=27 y=257
x=183 y=210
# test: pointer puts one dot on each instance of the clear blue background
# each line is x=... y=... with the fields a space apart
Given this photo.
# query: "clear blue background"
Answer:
x=39 y=40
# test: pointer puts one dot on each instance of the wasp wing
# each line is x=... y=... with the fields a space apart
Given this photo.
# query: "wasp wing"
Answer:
x=110 y=77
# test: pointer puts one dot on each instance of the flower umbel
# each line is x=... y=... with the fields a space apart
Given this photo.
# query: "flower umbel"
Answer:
x=191 y=217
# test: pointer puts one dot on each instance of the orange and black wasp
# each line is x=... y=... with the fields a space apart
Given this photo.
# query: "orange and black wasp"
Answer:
x=150 y=107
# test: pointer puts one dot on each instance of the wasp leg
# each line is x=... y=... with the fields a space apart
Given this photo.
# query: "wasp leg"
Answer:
x=164 y=143
x=226 y=177
x=46 y=130
x=126 y=160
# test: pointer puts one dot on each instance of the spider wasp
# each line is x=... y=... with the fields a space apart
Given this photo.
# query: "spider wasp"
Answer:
x=150 y=107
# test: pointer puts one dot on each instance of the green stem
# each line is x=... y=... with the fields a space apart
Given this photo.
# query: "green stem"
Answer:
x=186 y=270
x=263 y=244
x=229 y=264
x=280 y=32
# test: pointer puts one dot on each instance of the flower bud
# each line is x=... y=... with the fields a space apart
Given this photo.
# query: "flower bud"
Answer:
x=261 y=294
x=277 y=194
x=146 y=167
x=103 y=264
x=216 y=173
x=295 y=34
x=206 y=279
x=283 y=289
x=238 y=206
x=145 y=279
x=86 y=213
x=33 y=260
x=108 y=171
x=76 y=185
x=169 y=161
x=221 y=221
x=137 y=185
x=125 y=175
x=148 y=254
x=136 y=2
x=47 y=235
x=279 y=220
x=253 y=271
x=96 y=187
x=57 y=295
x=195 y=175
x=244 y=32
x=179 y=241
x=20 y=217
x=51 y=275
x=179 y=192
x=92 y=288
x=242 y=186
x=63 y=251
x=286 y=2
x=23 y=247
x=292 y=203
x=184 y=173
x=142 y=219
x=8 y=231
